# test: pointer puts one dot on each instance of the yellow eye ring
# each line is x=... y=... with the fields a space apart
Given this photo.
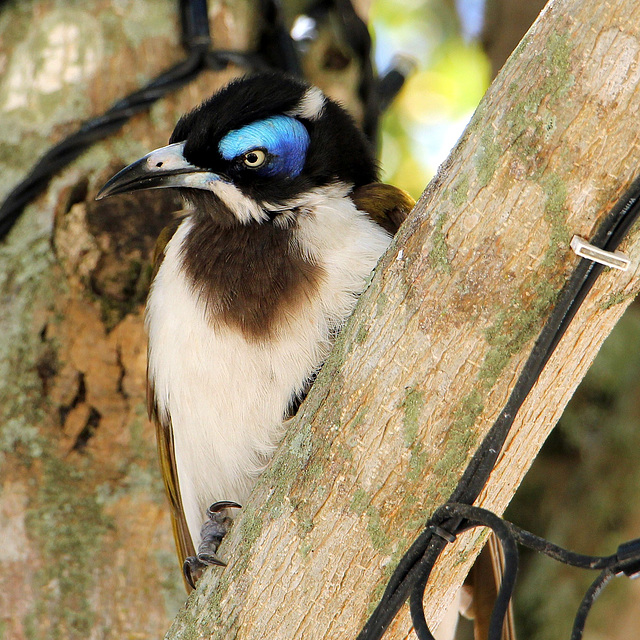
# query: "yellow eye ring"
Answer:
x=254 y=158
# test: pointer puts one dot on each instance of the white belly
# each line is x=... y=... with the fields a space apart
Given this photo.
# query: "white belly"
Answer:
x=227 y=396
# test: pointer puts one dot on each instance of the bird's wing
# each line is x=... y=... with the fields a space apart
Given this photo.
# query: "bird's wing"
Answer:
x=164 y=434
x=182 y=537
x=387 y=205
x=484 y=582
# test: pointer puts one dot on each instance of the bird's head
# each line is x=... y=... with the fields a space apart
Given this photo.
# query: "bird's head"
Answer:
x=258 y=146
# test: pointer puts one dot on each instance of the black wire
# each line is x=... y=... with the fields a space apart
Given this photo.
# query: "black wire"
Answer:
x=276 y=44
x=481 y=517
x=587 y=602
x=423 y=573
x=527 y=539
x=194 y=19
x=470 y=517
x=626 y=560
x=425 y=547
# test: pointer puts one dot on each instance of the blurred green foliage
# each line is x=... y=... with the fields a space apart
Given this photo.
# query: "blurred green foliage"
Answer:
x=450 y=77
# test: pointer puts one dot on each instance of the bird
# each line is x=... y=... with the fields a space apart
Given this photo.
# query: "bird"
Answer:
x=286 y=219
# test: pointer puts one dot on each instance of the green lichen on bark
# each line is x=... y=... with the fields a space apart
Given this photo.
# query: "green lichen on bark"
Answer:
x=521 y=319
x=362 y=333
x=379 y=537
x=618 y=297
x=460 y=191
x=68 y=524
x=417 y=462
x=487 y=158
x=532 y=121
x=360 y=501
x=555 y=213
x=412 y=407
x=438 y=255
x=461 y=438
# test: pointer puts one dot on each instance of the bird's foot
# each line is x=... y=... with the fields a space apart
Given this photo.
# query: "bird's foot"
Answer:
x=215 y=528
x=211 y=534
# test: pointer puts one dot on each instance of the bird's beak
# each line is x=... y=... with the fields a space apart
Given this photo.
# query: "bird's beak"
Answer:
x=161 y=169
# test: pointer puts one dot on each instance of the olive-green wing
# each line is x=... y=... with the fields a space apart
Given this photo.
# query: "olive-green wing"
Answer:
x=387 y=205
x=164 y=436
x=166 y=454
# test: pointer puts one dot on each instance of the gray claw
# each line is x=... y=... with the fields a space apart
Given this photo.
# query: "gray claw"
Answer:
x=213 y=530
x=210 y=559
x=190 y=567
x=221 y=505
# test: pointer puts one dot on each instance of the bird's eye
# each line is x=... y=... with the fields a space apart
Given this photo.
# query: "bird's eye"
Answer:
x=254 y=158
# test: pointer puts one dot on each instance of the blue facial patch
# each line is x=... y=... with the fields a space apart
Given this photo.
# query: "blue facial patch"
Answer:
x=284 y=139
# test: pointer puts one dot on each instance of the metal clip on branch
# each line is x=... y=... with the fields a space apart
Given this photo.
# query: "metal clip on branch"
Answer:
x=613 y=259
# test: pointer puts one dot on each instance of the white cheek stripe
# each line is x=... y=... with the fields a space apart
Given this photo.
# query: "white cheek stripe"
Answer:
x=244 y=208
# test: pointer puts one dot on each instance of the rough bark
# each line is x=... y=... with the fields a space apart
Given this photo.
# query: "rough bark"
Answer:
x=85 y=543
x=86 y=548
x=438 y=340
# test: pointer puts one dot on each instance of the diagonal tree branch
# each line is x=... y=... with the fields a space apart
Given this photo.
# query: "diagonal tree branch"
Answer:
x=438 y=340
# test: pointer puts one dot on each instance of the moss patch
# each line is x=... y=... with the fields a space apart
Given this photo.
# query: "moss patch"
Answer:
x=360 y=501
x=68 y=524
x=381 y=303
x=461 y=436
x=486 y=160
x=361 y=334
x=531 y=121
x=412 y=407
x=521 y=320
x=555 y=213
x=438 y=255
x=301 y=445
x=615 y=298
x=378 y=536
x=387 y=571
x=417 y=462
x=459 y=193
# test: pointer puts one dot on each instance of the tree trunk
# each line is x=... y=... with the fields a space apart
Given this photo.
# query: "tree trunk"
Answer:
x=438 y=340
x=86 y=548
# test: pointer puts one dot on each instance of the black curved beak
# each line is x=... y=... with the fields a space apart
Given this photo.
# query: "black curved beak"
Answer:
x=161 y=169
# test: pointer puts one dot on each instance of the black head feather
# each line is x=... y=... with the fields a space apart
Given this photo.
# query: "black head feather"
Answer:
x=241 y=102
x=338 y=150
